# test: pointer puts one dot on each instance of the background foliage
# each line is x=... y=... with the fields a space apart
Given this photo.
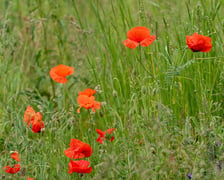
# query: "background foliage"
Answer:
x=164 y=96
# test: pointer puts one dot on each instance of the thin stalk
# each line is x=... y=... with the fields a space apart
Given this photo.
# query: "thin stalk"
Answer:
x=140 y=60
x=53 y=88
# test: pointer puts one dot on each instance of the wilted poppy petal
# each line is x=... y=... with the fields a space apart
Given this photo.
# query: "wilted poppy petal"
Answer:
x=15 y=155
x=105 y=135
x=148 y=41
x=110 y=130
x=37 y=124
x=100 y=140
x=38 y=116
x=35 y=119
x=28 y=115
x=130 y=44
x=112 y=139
x=101 y=133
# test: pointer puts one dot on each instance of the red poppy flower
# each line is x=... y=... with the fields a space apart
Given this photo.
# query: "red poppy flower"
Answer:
x=33 y=118
x=79 y=167
x=199 y=42
x=29 y=115
x=15 y=155
x=12 y=170
x=105 y=135
x=78 y=149
x=88 y=103
x=30 y=178
x=139 y=35
x=87 y=92
x=37 y=126
x=60 y=72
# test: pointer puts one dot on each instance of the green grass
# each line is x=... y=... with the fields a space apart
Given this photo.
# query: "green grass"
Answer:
x=164 y=95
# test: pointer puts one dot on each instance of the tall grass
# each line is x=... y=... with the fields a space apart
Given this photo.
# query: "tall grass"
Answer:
x=164 y=95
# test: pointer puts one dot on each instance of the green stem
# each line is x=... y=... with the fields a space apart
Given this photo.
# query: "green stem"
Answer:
x=140 y=60
x=53 y=88
x=53 y=93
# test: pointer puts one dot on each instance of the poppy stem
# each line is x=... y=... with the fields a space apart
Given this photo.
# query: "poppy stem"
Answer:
x=65 y=94
x=140 y=53
x=140 y=59
x=53 y=88
x=53 y=91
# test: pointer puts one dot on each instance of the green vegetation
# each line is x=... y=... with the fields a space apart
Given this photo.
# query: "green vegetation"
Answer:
x=164 y=95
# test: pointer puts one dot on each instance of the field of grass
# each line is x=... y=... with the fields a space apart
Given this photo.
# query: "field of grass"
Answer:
x=165 y=102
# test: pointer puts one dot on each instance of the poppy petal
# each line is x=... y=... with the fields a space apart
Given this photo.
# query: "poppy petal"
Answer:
x=12 y=170
x=138 y=33
x=97 y=105
x=198 y=42
x=83 y=99
x=130 y=44
x=30 y=178
x=79 y=167
x=148 y=41
x=60 y=72
x=87 y=92
x=75 y=143
x=58 y=79
x=72 y=153
x=78 y=149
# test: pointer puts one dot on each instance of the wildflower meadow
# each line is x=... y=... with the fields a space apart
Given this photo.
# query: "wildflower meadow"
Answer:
x=111 y=89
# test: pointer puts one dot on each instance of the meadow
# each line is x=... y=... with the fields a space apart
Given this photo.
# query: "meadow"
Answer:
x=165 y=102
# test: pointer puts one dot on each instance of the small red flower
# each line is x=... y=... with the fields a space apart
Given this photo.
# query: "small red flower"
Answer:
x=139 y=35
x=88 y=103
x=29 y=115
x=78 y=149
x=30 y=178
x=105 y=135
x=140 y=143
x=60 y=72
x=12 y=170
x=37 y=126
x=88 y=92
x=33 y=118
x=79 y=167
x=15 y=155
x=199 y=42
